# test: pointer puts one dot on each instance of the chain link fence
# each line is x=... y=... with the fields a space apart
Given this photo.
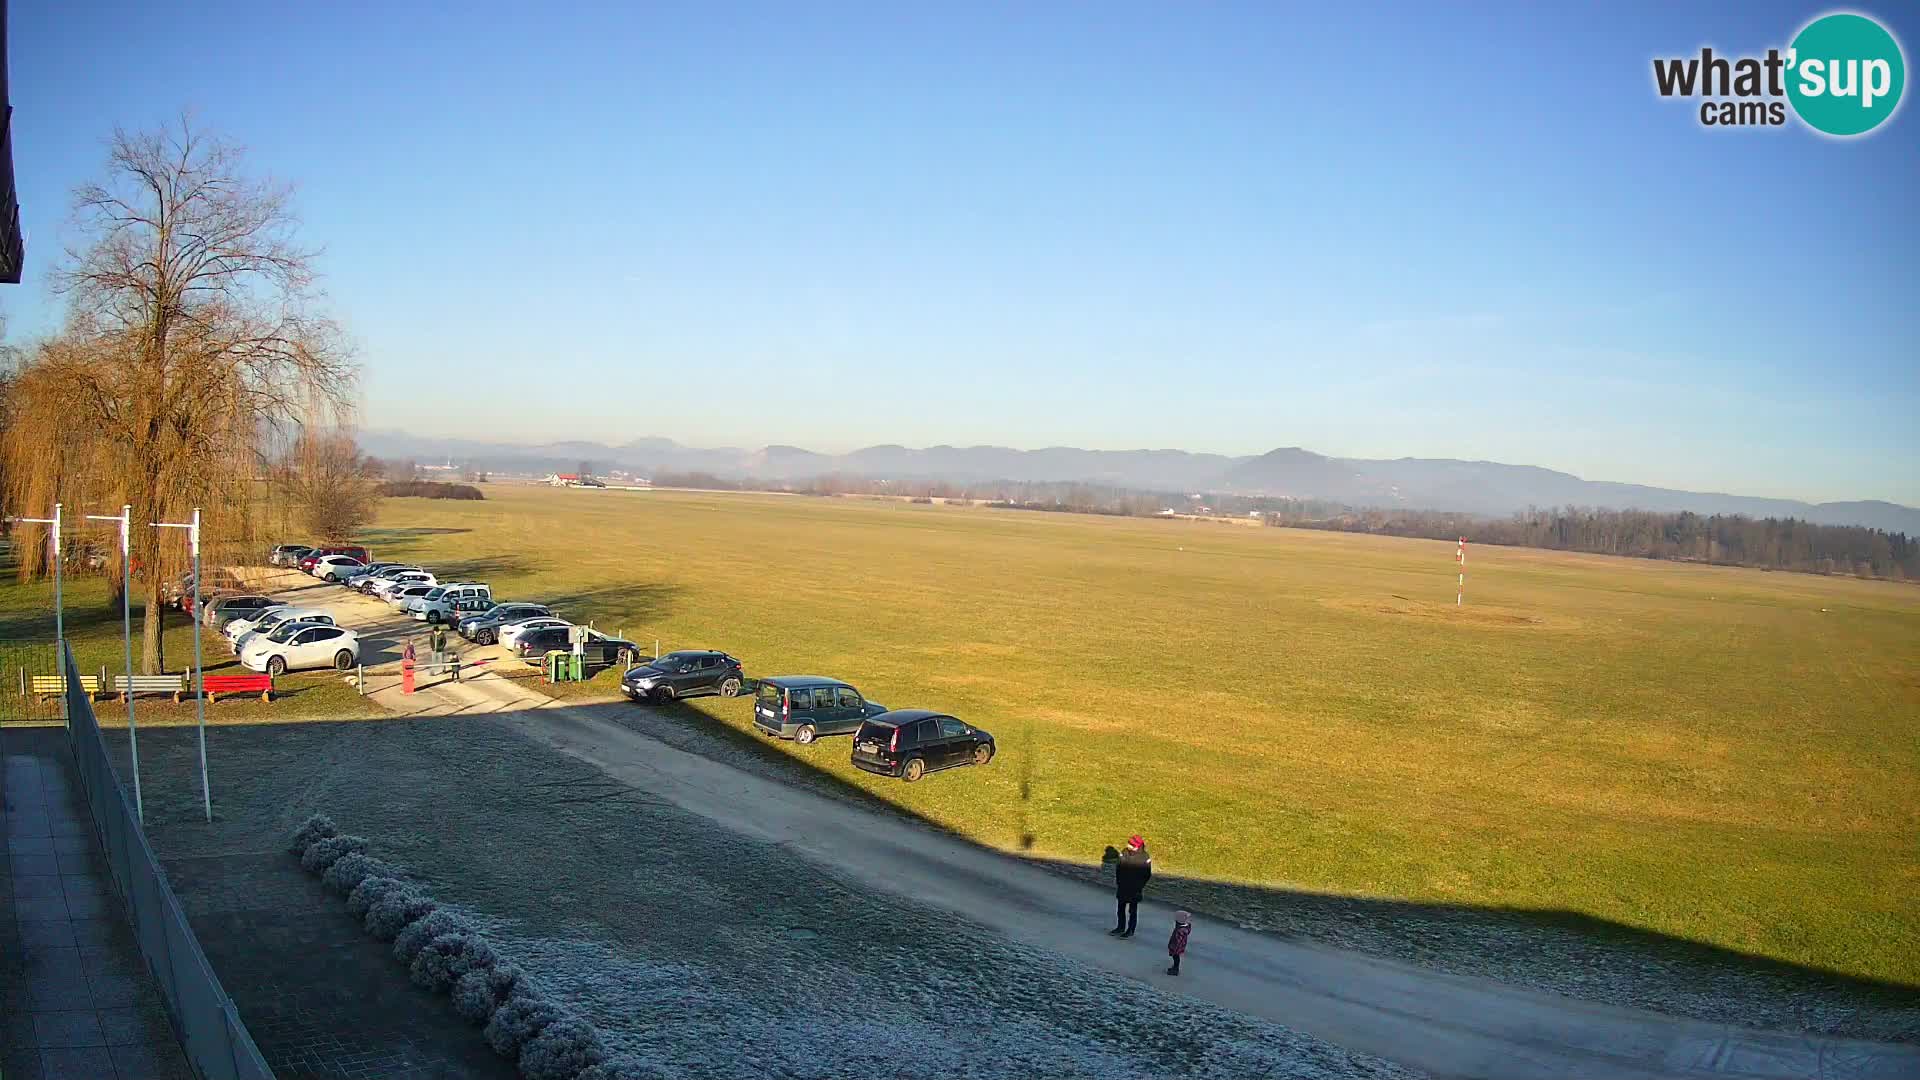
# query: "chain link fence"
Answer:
x=215 y=1040
x=30 y=685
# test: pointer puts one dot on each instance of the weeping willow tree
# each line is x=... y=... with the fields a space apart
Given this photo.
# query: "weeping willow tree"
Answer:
x=190 y=339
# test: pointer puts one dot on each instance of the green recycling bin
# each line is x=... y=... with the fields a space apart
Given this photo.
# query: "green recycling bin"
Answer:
x=563 y=666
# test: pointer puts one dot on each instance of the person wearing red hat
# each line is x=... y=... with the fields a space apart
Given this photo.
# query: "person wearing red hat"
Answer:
x=1130 y=877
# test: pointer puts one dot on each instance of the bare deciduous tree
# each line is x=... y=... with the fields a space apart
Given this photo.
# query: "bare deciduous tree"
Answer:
x=190 y=339
x=332 y=488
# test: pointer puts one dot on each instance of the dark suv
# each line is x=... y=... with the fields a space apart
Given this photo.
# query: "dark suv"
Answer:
x=910 y=743
x=600 y=651
x=693 y=673
x=804 y=707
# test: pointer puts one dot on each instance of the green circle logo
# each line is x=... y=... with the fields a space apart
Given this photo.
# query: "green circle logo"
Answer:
x=1845 y=74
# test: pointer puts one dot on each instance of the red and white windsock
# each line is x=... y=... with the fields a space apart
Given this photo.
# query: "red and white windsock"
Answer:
x=1460 y=557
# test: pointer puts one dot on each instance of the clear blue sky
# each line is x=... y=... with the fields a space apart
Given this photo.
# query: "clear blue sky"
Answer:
x=1372 y=232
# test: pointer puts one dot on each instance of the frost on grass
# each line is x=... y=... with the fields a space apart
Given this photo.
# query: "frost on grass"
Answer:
x=396 y=910
x=623 y=1068
x=371 y=889
x=349 y=870
x=561 y=1050
x=322 y=854
x=317 y=827
x=520 y=1019
x=415 y=935
x=482 y=990
x=921 y=1013
x=448 y=957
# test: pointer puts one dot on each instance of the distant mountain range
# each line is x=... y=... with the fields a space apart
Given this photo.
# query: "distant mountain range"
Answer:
x=1478 y=487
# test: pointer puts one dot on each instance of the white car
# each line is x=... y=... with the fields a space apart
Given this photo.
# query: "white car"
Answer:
x=440 y=605
x=384 y=588
x=292 y=646
x=403 y=595
x=510 y=633
x=365 y=582
x=241 y=633
x=336 y=567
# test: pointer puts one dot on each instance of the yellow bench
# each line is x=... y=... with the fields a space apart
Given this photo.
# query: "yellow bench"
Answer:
x=55 y=685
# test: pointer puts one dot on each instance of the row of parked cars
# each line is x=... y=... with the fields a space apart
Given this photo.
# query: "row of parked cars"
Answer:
x=904 y=743
x=273 y=637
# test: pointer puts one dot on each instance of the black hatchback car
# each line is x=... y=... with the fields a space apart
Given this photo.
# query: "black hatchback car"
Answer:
x=910 y=743
x=690 y=673
x=483 y=627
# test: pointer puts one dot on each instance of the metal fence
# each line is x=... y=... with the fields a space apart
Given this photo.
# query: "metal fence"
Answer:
x=215 y=1040
x=27 y=667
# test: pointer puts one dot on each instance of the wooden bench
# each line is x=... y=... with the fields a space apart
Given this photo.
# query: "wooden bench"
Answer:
x=56 y=685
x=176 y=685
x=215 y=685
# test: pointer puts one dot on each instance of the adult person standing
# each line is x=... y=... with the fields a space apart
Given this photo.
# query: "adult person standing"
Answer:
x=1130 y=877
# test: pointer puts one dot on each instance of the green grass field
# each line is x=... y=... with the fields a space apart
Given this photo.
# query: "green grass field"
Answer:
x=1726 y=756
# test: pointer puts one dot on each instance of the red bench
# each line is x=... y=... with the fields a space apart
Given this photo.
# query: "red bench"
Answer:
x=215 y=685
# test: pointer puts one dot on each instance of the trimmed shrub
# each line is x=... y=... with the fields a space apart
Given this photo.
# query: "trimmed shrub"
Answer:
x=317 y=827
x=561 y=1050
x=349 y=870
x=623 y=1068
x=371 y=888
x=518 y=1019
x=324 y=853
x=482 y=990
x=397 y=910
x=415 y=936
x=448 y=957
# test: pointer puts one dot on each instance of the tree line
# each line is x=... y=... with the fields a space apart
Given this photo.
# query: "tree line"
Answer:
x=1723 y=539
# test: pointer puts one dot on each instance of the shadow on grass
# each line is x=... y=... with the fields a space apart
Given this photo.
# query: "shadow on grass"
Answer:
x=374 y=537
x=1449 y=937
x=634 y=601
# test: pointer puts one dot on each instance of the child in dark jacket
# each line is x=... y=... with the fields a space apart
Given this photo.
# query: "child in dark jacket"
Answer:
x=1177 y=944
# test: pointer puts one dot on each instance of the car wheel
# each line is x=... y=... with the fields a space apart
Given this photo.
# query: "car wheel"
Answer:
x=276 y=666
x=486 y=637
x=805 y=735
x=729 y=687
x=982 y=753
x=664 y=693
x=914 y=770
x=433 y=617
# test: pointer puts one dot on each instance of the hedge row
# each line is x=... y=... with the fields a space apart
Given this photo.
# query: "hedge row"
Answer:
x=443 y=952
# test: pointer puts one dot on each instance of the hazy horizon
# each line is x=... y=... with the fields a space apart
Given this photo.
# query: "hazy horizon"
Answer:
x=854 y=224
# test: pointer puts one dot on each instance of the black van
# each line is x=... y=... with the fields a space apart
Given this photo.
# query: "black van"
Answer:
x=805 y=707
x=911 y=743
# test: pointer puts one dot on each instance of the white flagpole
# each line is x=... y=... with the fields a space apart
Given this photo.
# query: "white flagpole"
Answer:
x=125 y=519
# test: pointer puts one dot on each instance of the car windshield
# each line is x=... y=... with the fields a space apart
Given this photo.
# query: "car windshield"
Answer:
x=872 y=732
x=435 y=594
x=284 y=631
x=768 y=693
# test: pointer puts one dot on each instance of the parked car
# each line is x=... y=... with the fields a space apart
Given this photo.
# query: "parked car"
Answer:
x=402 y=595
x=684 y=674
x=464 y=590
x=288 y=554
x=335 y=568
x=384 y=588
x=369 y=583
x=510 y=632
x=293 y=646
x=241 y=632
x=354 y=551
x=910 y=743
x=450 y=609
x=805 y=707
x=600 y=650
x=483 y=627
x=364 y=569
x=214 y=613
x=250 y=619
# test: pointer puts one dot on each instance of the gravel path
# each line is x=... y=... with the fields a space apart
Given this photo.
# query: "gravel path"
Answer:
x=1639 y=973
x=700 y=948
